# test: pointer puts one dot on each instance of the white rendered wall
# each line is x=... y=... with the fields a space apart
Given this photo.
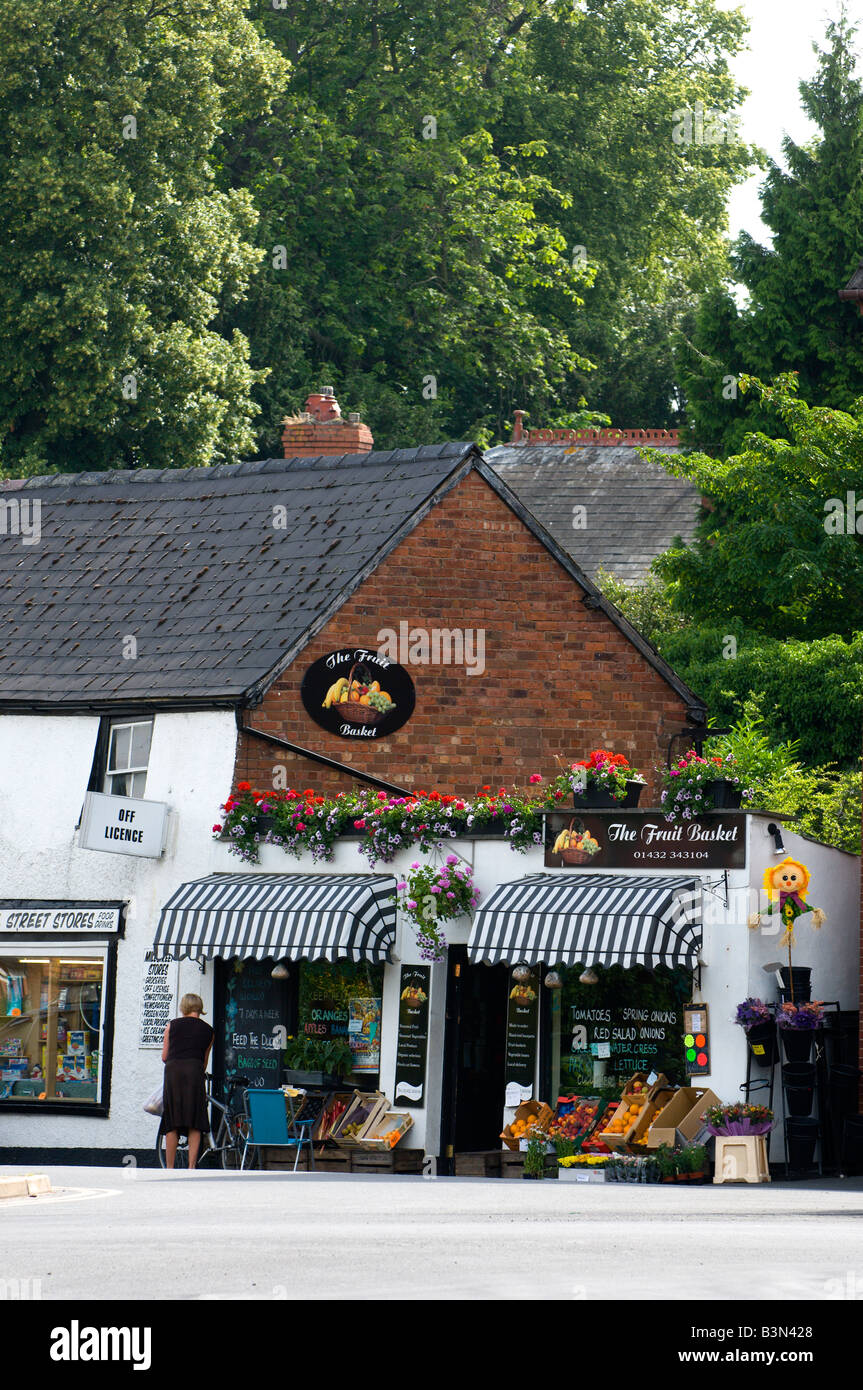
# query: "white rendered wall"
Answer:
x=45 y=762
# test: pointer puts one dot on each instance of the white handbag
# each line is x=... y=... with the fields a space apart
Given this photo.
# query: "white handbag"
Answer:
x=154 y=1105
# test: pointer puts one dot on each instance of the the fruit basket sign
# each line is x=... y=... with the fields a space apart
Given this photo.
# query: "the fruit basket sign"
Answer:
x=357 y=693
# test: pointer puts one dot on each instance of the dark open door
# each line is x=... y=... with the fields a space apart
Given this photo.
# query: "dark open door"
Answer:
x=474 y=1047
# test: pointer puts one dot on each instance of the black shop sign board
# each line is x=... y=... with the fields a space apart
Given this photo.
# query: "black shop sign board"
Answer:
x=644 y=840
x=522 y=1010
x=412 y=1043
x=356 y=692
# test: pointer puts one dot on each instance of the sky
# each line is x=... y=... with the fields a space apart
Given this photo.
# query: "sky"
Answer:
x=780 y=54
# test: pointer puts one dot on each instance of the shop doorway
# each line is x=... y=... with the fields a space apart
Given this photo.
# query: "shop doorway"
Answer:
x=474 y=1051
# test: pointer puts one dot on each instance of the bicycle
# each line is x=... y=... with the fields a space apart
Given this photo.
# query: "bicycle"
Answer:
x=224 y=1141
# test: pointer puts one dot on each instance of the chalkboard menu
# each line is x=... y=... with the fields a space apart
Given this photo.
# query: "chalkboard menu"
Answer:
x=412 y=1045
x=254 y=1023
x=522 y=1010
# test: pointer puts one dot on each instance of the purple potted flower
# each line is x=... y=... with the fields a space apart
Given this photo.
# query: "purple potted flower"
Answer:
x=798 y=1023
x=739 y=1118
x=758 y=1019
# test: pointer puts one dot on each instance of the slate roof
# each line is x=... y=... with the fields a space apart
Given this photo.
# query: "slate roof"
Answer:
x=189 y=563
x=634 y=509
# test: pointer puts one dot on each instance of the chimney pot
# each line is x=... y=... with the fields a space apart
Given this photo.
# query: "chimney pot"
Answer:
x=320 y=430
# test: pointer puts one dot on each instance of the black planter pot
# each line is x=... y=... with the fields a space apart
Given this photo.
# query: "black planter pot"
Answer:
x=761 y=1038
x=594 y=799
x=802 y=1136
x=797 y=1043
x=309 y=1078
x=726 y=795
x=798 y=1080
x=800 y=976
x=633 y=794
x=843 y=1084
x=852 y=1142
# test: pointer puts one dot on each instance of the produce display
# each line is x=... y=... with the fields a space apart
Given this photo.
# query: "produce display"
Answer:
x=332 y=1113
x=625 y=1116
x=574 y=1121
x=522 y=1129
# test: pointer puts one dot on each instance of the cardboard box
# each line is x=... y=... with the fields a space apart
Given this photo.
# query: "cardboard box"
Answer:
x=682 y=1118
x=543 y=1113
x=659 y=1099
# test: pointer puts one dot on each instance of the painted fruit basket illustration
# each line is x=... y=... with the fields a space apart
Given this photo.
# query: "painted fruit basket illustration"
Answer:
x=365 y=702
x=576 y=846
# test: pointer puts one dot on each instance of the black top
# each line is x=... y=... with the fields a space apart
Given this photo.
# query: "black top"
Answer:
x=188 y=1039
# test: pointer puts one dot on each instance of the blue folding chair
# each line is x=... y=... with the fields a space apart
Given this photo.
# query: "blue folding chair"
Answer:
x=275 y=1122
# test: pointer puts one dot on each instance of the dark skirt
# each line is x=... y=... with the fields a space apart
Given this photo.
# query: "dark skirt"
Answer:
x=184 y=1100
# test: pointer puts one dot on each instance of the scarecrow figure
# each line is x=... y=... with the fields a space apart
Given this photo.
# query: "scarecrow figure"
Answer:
x=786 y=885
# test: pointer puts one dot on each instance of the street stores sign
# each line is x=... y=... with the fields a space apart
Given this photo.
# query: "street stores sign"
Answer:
x=644 y=840
x=59 y=917
x=357 y=693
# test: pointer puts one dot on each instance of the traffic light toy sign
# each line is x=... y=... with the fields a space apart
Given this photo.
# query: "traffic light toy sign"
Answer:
x=696 y=1040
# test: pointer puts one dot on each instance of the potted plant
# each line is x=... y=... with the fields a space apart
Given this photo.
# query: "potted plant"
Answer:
x=666 y=1165
x=739 y=1118
x=316 y=1061
x=798 y=1023
x=603 y=780
x=434 y=894
x=534 y=1158
x=695 y=1156
x=693 y=785
x=759 y=1021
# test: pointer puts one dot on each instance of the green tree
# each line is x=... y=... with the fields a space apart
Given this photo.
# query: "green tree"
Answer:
x=415 y=226
x=780 y=550
x=609 y=84
x=792 y=318
x=120 y=252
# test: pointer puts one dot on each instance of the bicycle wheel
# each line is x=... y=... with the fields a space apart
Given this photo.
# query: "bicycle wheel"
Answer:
x=227 y=1146
x=181 y=1159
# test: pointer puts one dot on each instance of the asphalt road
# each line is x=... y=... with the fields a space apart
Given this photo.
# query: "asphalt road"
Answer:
x=109 y=1233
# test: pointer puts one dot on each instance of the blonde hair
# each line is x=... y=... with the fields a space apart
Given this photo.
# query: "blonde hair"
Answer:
x=192 y=1004
x=772 y=888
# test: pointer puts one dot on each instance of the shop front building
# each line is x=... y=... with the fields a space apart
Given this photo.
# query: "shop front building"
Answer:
x=335 y=620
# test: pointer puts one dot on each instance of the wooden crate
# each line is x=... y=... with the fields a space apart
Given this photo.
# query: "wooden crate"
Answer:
x=512 y=1164
x=397 y=1160
x=332 y=1161
x=478 y=1165
x=277 y=1160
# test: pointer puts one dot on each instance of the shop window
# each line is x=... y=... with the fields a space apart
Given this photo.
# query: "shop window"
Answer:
x=629 y=1020
x=51 y=1024
x=341 y=1001
x=128 y=756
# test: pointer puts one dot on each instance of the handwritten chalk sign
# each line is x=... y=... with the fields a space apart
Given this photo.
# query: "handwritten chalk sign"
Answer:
x=158 y=999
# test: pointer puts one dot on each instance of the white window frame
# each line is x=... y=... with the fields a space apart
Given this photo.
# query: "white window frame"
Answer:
x=111 y=773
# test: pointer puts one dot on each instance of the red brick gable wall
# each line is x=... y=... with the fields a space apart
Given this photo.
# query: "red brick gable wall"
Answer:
x=559 y=679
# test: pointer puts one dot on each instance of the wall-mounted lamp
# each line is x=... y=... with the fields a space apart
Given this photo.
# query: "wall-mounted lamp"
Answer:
x=553 y=980
x=279 y=972
x=776 y=831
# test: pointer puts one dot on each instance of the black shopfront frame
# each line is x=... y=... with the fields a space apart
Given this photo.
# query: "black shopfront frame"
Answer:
x=28 y=941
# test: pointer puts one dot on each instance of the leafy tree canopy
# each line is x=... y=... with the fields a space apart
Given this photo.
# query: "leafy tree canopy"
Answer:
x=120 y=252
x=446 y=189
x=793 y=318
x=780 y=548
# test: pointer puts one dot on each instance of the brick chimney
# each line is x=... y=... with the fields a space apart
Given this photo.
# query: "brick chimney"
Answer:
x=321 y=430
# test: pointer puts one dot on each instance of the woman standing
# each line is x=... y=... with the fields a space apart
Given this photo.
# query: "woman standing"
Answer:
x=185 y=1051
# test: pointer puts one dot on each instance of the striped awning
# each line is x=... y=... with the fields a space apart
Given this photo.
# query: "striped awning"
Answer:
x=590 y=919
x=283 y=916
